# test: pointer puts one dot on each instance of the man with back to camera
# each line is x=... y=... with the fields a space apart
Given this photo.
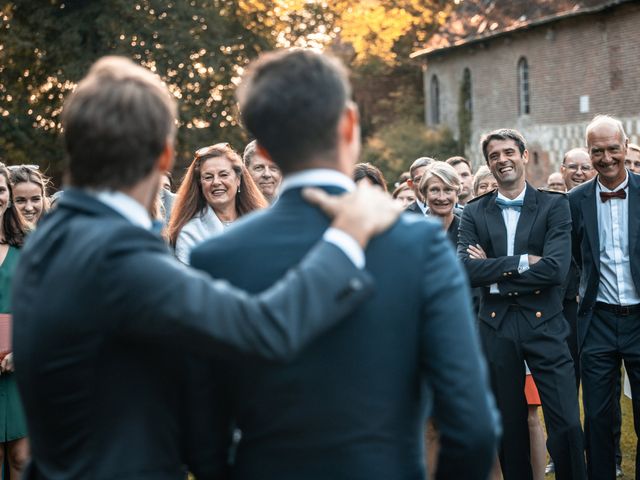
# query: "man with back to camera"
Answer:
x=353 y=405
x=605 y=245
x=515 y=243
x=104 y=314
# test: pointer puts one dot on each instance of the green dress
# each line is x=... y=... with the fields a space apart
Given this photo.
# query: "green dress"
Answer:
x=13 y=424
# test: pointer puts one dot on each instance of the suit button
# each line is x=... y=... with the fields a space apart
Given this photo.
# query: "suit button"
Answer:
x=510 y=273
x=537 y=292
x=493 y=314
x=510 y=294
x=505 y=274
x=538 y=314
x=515 y=293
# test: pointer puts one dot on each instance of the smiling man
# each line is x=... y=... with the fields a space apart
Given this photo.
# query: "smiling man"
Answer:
x=264 y=172
x=516 y=244
x=606 y=247
x=576 y=168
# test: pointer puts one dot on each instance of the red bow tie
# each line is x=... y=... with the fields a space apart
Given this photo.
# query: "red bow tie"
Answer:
x=606 y=196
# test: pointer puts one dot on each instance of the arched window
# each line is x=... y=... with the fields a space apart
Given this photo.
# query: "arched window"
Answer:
x=524 y=107
x=467 y=101
x=435 y=101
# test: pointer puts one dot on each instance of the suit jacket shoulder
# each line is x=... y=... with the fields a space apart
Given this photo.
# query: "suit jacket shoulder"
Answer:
x=484 y=195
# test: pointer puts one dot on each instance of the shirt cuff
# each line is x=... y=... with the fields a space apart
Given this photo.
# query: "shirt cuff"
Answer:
x=347 y=244
x=493 y=289
x=523 y=265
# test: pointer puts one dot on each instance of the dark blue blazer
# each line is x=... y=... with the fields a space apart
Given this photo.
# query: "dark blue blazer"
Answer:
x=103 y=317
x=586 y=244
x=353 y=404
x=544 y=229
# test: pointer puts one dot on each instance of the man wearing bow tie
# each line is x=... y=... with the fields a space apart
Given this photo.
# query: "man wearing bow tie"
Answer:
x=606 y=221
x=515 y=244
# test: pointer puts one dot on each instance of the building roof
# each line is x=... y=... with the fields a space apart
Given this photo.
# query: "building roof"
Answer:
x=476 y=21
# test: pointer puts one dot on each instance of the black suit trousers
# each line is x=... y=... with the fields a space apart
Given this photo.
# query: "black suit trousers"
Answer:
x=609 y=340
x=547 y=354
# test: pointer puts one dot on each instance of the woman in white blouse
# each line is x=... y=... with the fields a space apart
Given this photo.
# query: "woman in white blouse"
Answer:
x=216 y=190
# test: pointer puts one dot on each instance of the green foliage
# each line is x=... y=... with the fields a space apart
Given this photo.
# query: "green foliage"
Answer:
x=198 y=49
x=395 y=147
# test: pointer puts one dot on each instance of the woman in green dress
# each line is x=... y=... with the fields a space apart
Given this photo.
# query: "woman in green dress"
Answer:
x=13 y=428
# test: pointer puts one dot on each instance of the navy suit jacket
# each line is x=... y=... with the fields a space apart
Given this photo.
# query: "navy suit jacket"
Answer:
x=102 y=318
x=586 y=244
x=353 y=404
x=544 y=229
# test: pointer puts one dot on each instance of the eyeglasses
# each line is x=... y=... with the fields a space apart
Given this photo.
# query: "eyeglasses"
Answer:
x=574 y=168
x=206 y=151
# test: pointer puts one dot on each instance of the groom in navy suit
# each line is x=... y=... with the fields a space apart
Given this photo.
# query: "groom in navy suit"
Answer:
x=354 y=404
x=606 y=226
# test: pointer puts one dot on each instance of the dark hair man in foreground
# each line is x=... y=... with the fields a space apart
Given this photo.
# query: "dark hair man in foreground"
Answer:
x=104 y=314
x=353 y=405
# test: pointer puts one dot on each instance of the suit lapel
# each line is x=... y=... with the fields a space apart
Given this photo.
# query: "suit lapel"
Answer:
x=634 y=213
x=590 y=219
x=495 y=226
x=525 y=222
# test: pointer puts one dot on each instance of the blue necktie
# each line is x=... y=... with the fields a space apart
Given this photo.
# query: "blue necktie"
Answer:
x=515 y=204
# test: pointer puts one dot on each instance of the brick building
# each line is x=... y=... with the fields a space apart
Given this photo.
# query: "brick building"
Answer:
x=545 y=76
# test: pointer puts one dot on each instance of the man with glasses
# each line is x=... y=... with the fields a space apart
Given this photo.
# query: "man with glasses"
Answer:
x=576 y=168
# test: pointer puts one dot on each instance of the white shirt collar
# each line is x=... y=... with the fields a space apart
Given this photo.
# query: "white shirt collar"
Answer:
x=622 y=186
x=519 y=197
x=316 y=177
x=126 y=206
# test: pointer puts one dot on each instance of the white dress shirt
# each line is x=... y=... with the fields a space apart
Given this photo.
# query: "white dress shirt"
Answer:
x=616 y=283
x=328 y=178
x=126 y=206
x=422 y=206
x=511 y=217
x=200 y=228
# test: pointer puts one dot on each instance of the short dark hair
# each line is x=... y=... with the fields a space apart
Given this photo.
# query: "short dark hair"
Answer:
x=503 y=134
x=291 y=102
x=453 y=161
x=373 y=173
x=116 y=124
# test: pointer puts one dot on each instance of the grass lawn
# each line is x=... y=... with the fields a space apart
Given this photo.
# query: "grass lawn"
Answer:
x=627 y=440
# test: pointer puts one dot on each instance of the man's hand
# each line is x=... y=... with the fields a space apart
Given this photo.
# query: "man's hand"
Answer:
x=476 y=252
x=364 y=213
x=533 y=259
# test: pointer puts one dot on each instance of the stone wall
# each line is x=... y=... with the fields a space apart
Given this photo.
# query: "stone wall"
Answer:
x=592 y=55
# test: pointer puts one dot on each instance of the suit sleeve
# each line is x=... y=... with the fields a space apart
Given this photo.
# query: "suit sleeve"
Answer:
x=553 y=267
x=155 y=297
x=464 y=409
x=481 y=272
x=576 y=217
